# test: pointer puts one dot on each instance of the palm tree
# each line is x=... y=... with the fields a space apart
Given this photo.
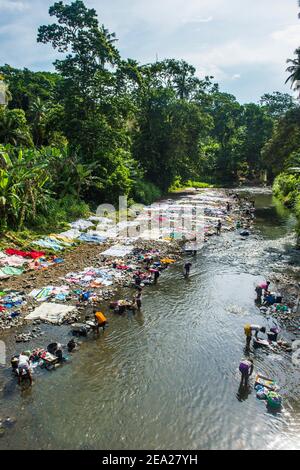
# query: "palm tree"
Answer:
x=11 y=131
x=38 y=110
x=294 y=71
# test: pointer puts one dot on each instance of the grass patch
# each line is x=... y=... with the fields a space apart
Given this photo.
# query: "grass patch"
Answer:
x=54 y=219
x=178 y=185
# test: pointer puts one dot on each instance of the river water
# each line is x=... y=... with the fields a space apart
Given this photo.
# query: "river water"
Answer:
x=168 y=378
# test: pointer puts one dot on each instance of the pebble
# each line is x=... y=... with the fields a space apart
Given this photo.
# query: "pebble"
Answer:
x=6 y=423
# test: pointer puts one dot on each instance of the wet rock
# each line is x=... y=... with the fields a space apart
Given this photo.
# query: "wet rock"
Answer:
x=9 y=422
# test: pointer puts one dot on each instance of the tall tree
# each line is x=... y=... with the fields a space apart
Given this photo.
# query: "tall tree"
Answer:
x=276 y=104
x=258 y=128
x=284 y=142
x=95 y=104
x=227 y=116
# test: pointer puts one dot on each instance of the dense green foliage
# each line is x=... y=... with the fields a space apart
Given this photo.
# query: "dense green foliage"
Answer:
x=29 y=180
x=283 y=149
x=277 y=104
x=102 y=126
x=287 y=189
x=282 y=152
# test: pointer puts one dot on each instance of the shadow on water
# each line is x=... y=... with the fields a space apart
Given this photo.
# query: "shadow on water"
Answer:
x=244 y=392
x=168 y=378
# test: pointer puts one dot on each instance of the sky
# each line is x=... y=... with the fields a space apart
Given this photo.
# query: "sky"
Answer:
x=244 y=44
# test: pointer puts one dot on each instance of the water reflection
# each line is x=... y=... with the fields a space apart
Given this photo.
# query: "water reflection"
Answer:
x=244 y=392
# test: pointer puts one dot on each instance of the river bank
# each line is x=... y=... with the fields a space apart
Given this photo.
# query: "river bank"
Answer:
x=133 y=364
x=170 y=227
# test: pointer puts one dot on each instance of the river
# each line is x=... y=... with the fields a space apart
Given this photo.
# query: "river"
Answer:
x=168 y=378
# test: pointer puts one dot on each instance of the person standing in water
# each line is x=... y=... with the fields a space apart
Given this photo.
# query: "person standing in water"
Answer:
x=187 y=269
x=156 y=276
x=138 y=299
x=219 y=227
x=259 y=293
x=246 y=369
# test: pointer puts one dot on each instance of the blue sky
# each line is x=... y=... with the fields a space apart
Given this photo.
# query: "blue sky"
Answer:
x=243 y=43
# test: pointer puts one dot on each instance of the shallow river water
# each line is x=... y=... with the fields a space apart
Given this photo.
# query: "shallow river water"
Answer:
x=168 y=378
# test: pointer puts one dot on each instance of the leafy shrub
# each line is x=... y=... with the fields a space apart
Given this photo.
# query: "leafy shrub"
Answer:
x=145 y=192
x=198 y=184
x=178 y=184
x=58 y=212
x=286 y=188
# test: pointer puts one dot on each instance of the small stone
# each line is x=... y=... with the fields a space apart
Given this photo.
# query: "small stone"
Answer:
x=9 y=422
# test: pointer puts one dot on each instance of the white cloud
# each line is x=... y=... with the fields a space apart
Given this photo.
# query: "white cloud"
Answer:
x=161 y=16
x=253 y=39
x=13 y=5
x=290 y=35
x=198 y=20
x=274 y=50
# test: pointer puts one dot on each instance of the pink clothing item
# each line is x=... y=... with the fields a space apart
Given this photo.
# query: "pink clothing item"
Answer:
x=263 y=285
x=14 y=261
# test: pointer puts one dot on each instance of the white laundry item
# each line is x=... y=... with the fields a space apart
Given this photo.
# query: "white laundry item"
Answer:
x=51 y=312
x=72 y=234
x=101 y=220
x=82 y=224
x=14 y=260
x=118 y=251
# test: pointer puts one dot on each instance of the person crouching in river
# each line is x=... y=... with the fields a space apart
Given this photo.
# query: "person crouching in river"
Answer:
x=246 y=369
x=101 y=321
x=24 y=367
x=260 y=289
x=250 y=329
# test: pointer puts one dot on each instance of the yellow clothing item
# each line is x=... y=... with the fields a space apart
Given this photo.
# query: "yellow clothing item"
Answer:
x=61 y=238
x=247 y=329
x=167 y=261
x=100 y=317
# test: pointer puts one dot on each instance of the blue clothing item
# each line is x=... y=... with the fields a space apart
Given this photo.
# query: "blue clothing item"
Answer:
x=85 y=237
x=49 y=243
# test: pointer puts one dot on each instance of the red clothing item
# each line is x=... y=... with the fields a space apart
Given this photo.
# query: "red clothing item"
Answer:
x=25 y=254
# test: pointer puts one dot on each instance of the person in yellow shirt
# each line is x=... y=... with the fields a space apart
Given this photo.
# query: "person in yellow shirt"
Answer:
x=248 y=334
x=250 y=329
x=101 y=321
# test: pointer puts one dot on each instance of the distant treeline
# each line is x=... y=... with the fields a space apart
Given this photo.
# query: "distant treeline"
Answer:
x=102 y=126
